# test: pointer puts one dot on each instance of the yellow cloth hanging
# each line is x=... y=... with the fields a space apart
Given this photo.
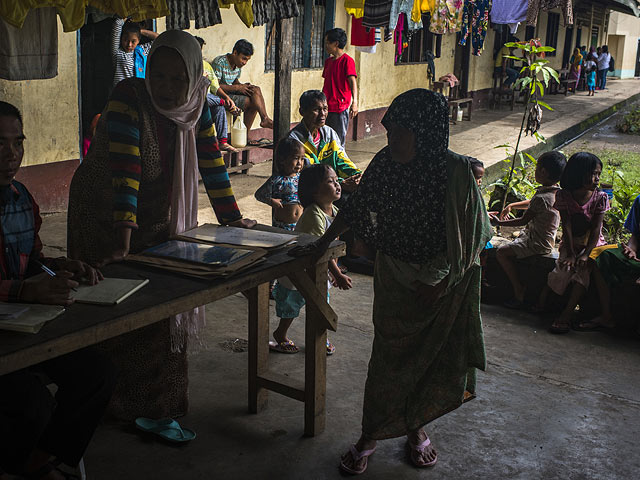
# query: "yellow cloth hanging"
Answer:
x=354 y=7
x=420 y=7
x=245 y=11
x=225 y=3
x=72 y=12
x=356 y=12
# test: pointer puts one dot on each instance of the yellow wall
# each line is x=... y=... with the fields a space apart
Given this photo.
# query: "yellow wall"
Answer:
x=481 y=67
x=624 y=32
x=49 y=108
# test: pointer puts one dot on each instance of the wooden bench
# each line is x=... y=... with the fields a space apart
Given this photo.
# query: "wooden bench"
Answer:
x=239 y=162
x=568 y=84
x=462 y=103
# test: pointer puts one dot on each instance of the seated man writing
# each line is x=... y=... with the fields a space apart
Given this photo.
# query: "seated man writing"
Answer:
x=246 y=97
x=38 y=432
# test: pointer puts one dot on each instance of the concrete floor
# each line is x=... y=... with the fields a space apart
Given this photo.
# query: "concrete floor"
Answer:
x=548 y=407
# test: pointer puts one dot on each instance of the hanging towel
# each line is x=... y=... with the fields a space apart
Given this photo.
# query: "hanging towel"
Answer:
x=505 y=12
x=205 y=13
x=376 y=13
x=30 y=52
x=446 y=17
x=354 y=7
x=536 y=6
x=265 y=11
x=360 y=37
x=367 y=49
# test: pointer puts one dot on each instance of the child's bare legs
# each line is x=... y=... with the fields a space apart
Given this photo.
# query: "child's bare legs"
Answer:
x=605 y=319
x=541 y=306
x=505 y=257
x=280 y=333
x=564 y=320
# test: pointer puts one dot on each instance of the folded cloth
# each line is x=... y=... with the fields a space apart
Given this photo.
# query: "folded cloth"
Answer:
x=30 y=52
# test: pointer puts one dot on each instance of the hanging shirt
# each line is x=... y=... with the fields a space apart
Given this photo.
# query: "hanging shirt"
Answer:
x=505 y=12
x=336 y=86
x=360 y=36
x=447 y=17
x=536 y=6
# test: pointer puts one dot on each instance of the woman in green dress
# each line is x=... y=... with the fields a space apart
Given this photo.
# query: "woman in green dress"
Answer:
x=419 y=206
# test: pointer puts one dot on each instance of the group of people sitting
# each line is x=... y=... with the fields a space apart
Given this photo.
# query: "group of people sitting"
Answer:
x=569 y=196
x=593 y=66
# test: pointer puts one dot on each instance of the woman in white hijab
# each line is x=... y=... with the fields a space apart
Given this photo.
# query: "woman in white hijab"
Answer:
x=137 y=186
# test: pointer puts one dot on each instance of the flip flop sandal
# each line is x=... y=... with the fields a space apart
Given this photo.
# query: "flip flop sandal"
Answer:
x=166 y=428
x=284 y=347
x=559 y=328
x=418 y=450
x=356 y=455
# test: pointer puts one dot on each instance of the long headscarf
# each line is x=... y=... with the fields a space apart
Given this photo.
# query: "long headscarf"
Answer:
x=184 y=200
x=400 y=208
x=184 y=189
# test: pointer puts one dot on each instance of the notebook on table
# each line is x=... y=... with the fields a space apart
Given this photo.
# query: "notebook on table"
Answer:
x=237 y=237
x=109 y=291
x=28 y=318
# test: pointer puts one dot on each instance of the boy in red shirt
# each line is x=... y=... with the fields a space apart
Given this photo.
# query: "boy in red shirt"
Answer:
x=340 y=85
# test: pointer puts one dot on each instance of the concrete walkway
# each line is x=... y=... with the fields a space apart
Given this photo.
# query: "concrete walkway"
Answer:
x=548 y=407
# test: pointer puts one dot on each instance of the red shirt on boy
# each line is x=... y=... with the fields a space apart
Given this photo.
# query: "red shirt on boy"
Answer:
x=336 y=88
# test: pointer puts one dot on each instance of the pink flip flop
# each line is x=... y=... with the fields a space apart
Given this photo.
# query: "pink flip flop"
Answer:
x=419 y=449
x=356 y=455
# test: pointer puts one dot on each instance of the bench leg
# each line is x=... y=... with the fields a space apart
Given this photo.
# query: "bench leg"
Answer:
x=245 y=160
x=258 y=344
x=315 y=361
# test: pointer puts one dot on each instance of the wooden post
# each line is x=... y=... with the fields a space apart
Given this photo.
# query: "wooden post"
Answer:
x=282 y=94
x=315 y=361
x=258 y=344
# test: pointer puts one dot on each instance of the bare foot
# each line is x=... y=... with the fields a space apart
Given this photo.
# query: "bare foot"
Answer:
x=423 y=454
x=227 y=147
x=597 y=323
x=560 y=325
x=266 y=123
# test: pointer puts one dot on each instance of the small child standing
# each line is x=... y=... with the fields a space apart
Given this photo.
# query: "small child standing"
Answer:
x=582 y=207
x=285 y=204
x=590 y=67
x=128 y=56
x=340 y=86
x=541 y=220
x=318 y=189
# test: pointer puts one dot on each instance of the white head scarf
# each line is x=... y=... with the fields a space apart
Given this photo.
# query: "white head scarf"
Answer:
x=184 y=201
x=184 y=190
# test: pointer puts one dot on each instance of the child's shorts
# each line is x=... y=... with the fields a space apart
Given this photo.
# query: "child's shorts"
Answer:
x=288 y=302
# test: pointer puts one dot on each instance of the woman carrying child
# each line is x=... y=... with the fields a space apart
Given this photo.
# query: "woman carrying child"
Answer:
x=419 y=206
x=582 y=207
x=318 y=189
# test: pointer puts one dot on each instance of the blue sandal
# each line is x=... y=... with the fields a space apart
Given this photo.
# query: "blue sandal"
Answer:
x=166 y=428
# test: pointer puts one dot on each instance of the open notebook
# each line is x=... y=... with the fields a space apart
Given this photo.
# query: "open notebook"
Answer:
x=109 y=291
x=31 y=318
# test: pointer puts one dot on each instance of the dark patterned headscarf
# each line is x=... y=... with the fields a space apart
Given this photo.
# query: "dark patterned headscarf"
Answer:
x=400 y=208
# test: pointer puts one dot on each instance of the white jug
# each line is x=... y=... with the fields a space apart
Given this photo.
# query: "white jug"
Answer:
x=239 y=133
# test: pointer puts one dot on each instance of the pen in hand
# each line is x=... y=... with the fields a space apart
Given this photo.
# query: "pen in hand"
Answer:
x=48 y=271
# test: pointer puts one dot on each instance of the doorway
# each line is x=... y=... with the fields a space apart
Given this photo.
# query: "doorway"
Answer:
x=637 y=72
x=461 y=65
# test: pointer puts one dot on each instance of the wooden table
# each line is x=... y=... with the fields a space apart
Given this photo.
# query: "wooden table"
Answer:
x=168 y=294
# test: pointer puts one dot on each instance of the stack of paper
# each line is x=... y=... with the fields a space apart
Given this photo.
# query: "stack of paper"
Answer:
x=197 y=259
x=28 y=318
x=109 y=291
x=237 y=237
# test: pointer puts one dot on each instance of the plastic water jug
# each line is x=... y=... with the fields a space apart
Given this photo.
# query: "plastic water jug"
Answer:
x=239 y=133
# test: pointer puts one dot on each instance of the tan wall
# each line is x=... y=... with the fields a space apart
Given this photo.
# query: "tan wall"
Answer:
x=481 y=67
x=624 y=31
x=49 y=108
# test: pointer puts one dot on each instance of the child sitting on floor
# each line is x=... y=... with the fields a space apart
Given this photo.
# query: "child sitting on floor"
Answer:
x=541 y=220
x=318 y=189
x=582 y=207
x=285 y=205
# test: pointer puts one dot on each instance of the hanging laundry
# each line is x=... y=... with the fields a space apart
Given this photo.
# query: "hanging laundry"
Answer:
x=403 y=6
x=30 y=52
x=400 y=37
x=447 y=16
x=265 y=11
x=244 y=10
x=475 y=22
x=354 y=7
x=431 y=65
x=205 y=13
x=376 y=13
x=367 y=49
x=420 y=7
x=505 y=12
x=536 y=6
x=361 y=36
x=286 y=8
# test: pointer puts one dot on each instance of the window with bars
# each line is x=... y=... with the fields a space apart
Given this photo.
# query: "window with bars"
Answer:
x=553 y=25
x=419 y=44
x=316 y=16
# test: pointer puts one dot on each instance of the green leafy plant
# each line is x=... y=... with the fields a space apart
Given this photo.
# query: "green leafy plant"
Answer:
x=535 y=77
x=624 y=194
x=630 y=122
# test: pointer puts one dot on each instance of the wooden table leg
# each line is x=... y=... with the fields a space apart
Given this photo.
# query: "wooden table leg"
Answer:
x=258 y=344
x=315 y=368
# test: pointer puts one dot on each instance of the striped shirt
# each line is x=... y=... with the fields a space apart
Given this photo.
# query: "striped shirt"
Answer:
x=126 y=165
x=20 y=243
x=123 y=62
x=222 y=68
